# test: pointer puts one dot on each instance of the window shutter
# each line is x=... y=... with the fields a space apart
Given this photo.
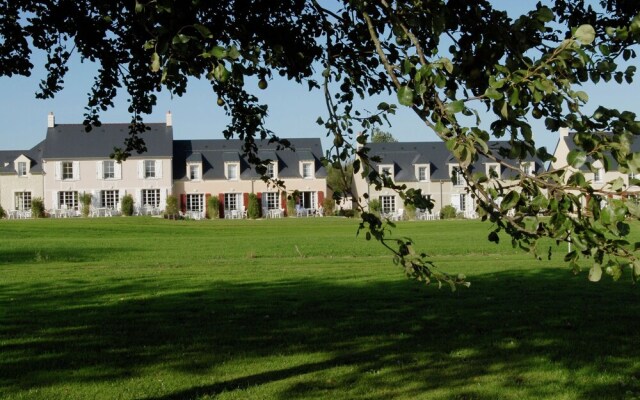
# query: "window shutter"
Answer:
x=54 y=202
x=320 y=199
x=158 y=169
x=141 y=169
x=245 y=201
x=283 y=201
x=183 y=202
x=138 y=199
x=455 y=201
x=99 y=175
x=221 y=207
x=163 y=199
x=76 y=170
x=58 y=166
x=207 y=196
x=117 y=170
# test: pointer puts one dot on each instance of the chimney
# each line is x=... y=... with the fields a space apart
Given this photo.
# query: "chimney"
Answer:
x=564 y=132
x=51 y=121
x=169 y=119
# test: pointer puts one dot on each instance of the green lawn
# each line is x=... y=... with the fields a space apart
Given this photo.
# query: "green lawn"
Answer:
x=142 y=308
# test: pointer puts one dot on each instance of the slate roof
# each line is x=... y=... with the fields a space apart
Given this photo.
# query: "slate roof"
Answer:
x=405 y=155
x=71 y=141
x=216 y=151
x=7 y=157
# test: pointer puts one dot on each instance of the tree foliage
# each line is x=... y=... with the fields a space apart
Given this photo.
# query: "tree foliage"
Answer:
x=380 y=136
x=443 y=59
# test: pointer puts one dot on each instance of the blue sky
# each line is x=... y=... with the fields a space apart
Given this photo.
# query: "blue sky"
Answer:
x=293 y=110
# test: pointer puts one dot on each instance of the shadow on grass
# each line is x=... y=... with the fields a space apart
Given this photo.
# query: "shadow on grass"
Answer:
x=507 y=337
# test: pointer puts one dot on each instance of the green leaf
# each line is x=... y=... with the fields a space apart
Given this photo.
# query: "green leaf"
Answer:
x=576 y=158
x=221 y=73
x=595 y=273
x=583 y=96
x=510 y=201
x=493 y=94
x=455 y=106
x=218 y=52
x=585 y=34
x=405 y=96
x=155 y=62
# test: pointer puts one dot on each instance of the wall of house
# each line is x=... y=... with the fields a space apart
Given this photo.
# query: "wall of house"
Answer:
x=10 y=184
x=88 y=181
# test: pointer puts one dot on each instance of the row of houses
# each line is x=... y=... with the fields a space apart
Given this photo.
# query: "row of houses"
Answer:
x=70 y=161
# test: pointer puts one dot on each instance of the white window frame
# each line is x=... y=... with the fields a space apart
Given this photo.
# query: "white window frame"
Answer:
x=68 y=198
x=150 y=197
x=427 y=172
x=387 y=204
x=234 y=199
x=383 y=168
x=598 y=175
x=308 y=199
x=527 y=168
x=67 y=170
x=22 y=169
x=194 y=171
x=496 y=168
x=228 y=167
x=457 y=177
x=22 y=200
x=108 y=169
x=272 y=170
x=195 y=202
x=110 y=199
x=307 y=170
x=271 y=200
x=149 y=171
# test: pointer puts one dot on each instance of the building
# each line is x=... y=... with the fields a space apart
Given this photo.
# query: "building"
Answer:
x=204 y=168
x=429 y=166
x=21 y=178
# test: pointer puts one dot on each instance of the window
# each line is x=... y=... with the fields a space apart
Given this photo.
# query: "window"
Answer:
x=527 y=168
x=307 y=170
x=386 y=170
x=151 y=197
x=22 y=168
x=195 y=202
x=67 y=170
x=149 y=169
x=463 y=202
x=457 y=177
x=493 y=171
x=272 y=170
x=598 y=174
x=423 y=173
x=68 y=200
x=387 y=204
x=232 y=201
x=108 y=169
x=308 y=200
x=194 y=172
x=23 y=201
x=232 y=171
x=270 y=200
x=109 y=199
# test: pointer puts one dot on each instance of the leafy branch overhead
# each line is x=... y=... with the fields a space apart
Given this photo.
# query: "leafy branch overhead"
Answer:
x=452 y=62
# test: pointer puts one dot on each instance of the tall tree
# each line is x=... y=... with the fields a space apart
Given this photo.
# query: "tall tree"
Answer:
x=380 y=136
x=442 y=58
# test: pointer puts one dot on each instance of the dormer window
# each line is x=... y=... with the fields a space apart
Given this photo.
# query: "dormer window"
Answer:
x=457 y=177
x=22 y=168
x=527 y=168
x=308 y=170
x=272 y=170
x=386 y=170
x=598 y=175
x=232 y=171
x=493 y=170
x=423 y=173
x=195 y=171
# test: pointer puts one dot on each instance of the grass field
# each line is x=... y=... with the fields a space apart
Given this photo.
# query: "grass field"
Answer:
x=142 y=308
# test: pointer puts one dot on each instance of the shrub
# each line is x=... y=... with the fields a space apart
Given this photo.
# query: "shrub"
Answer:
x=329 y=206
x=2 y=213
x=171 y=208
x=410 y=211
x=347 y=213
x=213 y=207
x=253 y=209
x=448 y=212
x=292 y=200
x=127 y=205
x=37 y=207
x=85 y=200
x=375 y=207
